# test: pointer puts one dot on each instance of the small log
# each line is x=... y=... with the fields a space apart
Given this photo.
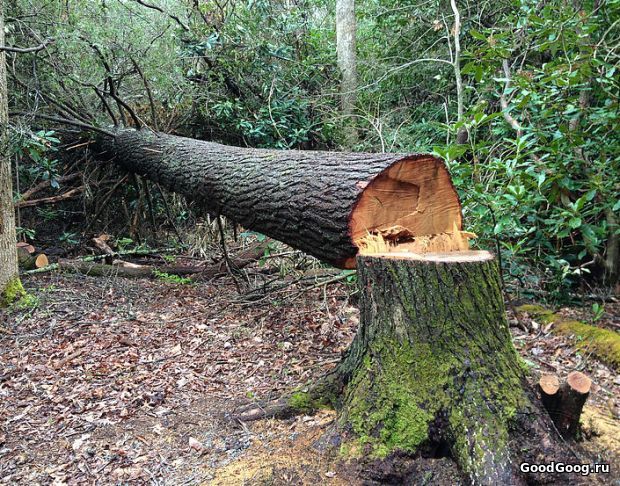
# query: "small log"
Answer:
x=549 y=386
x=121 y=269
x=28 y=260
x=574 y=394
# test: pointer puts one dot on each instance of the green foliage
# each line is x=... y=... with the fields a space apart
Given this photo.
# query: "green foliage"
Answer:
x=174 y=279
x=598 y=311
x=28 y=233
x=69 y=238
x=264 y=74
x=544 y=190
x=37 y=148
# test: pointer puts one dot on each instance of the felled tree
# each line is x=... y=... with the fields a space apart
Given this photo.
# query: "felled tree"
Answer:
x=433 y=363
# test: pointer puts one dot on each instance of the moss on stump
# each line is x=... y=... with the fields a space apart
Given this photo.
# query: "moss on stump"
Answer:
x=13 y=291
x=433 y=363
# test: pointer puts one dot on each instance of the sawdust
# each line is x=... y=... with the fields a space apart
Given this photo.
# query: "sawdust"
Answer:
x=284 y=453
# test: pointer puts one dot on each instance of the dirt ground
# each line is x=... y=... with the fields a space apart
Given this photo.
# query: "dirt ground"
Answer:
x=119 y=381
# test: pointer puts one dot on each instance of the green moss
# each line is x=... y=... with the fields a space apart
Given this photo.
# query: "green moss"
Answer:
x=27 y=301
x=538 y=312
x=602 y=343
x=304 y=401
x=12 y=292
x=392 y=405
x=393 y=409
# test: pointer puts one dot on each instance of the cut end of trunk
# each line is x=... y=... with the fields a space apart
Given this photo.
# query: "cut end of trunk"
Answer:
x=41 y=261
x=549 y=384
x=410 y=207
x=438 y=257
x=579 y=383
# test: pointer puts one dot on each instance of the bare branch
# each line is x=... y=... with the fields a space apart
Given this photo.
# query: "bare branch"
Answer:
x=147 y=87
x=159 y=9
x=516 y=126
x=25 y=50
x=65 y=121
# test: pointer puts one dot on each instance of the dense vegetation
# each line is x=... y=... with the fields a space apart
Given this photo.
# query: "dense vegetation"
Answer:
x=520 y=97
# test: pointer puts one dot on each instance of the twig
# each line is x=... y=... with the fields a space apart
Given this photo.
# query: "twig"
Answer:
x=51 y=199
x=105 y=202
x=225 y=251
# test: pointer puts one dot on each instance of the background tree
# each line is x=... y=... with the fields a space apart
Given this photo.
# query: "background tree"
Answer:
x=346 y=27
x=10 y=286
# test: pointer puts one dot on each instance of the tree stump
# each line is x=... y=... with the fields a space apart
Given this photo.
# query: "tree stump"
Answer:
x=573 y=395
x=432 y=368
x=433 y=361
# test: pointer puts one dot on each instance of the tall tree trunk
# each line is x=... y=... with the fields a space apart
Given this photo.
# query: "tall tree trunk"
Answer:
x=346 y=27
x=324 y=203
x=10 y=286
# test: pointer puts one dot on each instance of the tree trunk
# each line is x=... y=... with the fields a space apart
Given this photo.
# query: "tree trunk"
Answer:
x=324 y=203
x=432 y=371
x=433 y=361
x=10 y=287
x=345 y=46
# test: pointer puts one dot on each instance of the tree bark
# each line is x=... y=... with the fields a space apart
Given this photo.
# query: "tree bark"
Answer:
x=432 y=368
x=320 y=202
x=573 y=396
x=10 y=287
x=346 y=26
x=433 y=362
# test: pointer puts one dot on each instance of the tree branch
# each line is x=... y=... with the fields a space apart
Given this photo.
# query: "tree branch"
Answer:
x=25 y=50
x=65 y=121
x=159 y=9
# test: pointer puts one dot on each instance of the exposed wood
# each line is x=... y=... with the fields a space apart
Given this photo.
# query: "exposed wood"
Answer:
x=549 y=387
x=319 y=202
x=101 y=242
x=28 y=259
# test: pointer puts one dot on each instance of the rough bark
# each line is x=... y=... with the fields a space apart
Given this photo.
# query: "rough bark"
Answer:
x=305 y=199
x=432 y=368
x=10 y=287
x=346 y=27
x=433 y=362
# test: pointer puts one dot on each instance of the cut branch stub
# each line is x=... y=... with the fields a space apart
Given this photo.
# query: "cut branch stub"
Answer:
x=549 y=386
x=574 y=394
x=564 y=403
x=327 y=204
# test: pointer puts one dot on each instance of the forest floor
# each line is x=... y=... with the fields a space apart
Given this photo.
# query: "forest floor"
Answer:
x=112 y=380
